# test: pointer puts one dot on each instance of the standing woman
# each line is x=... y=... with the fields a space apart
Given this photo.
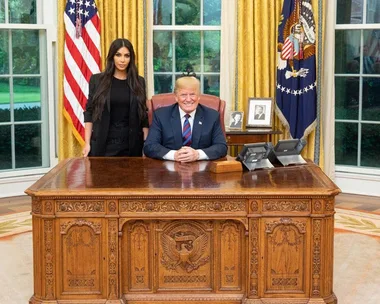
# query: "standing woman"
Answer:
x=116 y=121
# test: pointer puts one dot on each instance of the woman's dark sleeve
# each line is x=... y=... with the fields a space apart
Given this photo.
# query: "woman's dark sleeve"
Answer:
x=145 y=122
x=144 y=119
x=89 y=104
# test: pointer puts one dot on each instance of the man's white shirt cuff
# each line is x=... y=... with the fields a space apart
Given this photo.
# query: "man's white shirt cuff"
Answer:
x=202 y=155
x=170 y=155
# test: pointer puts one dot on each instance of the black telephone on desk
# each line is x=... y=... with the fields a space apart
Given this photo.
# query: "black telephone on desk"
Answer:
x=255 y=156
x=288 y=152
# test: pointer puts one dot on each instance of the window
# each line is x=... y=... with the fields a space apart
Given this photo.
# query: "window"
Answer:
x=24 y=108
x=186 y=38
x=357 y=86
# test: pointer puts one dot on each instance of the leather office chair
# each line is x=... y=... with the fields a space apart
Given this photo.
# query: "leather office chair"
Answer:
x=167 y=99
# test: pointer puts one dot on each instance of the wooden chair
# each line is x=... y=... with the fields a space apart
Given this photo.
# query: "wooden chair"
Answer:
x=167 y=99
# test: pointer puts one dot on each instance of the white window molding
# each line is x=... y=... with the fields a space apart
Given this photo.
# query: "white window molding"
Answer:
x=16 y=181
x=357 y=179
x=16 y=186
x=228 y=55
x=227 y=50
x=149 y=56
x=358 y=183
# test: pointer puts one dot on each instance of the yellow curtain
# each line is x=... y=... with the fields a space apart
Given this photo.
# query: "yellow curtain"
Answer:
x=119 y=19
x=257 y=58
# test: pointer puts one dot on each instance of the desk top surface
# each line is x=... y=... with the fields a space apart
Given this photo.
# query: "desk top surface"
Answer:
x=145 y=176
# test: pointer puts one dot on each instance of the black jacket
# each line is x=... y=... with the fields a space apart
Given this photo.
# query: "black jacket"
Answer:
x=100 y=127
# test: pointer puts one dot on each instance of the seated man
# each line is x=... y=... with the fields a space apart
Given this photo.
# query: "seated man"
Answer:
x=186 y=131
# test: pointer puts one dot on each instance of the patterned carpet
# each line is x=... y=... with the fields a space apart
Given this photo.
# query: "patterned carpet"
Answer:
x=16 y=223
x=356 y=257
x=356 y=266
x=359 y=222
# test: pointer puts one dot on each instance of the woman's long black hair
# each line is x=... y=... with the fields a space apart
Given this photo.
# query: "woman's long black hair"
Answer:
x=106 y=79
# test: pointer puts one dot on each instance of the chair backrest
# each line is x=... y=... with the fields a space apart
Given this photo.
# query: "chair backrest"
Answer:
x=167 y=99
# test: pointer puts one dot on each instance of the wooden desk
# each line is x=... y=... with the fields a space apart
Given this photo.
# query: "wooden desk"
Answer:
x=137 y=230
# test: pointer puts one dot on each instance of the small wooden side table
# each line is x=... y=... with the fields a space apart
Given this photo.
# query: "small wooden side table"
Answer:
x=237 y=138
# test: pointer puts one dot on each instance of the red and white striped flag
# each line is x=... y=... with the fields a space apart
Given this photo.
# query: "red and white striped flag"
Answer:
x=288 y=52
x=82 y=58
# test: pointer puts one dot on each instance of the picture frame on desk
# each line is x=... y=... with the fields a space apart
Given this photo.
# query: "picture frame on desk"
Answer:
x=260 y=112
x=236 y=120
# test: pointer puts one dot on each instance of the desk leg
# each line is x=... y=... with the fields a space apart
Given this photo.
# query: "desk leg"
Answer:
x=253 y=260
x=44 y=256
x=113 y=265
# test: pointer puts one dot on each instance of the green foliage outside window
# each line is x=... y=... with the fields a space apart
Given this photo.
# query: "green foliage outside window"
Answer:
x=187 y=12
x=20 y=95
x=27 y=137
x=182 y=48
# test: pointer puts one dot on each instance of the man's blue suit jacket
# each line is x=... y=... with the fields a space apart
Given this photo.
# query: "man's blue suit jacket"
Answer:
x=165 y=133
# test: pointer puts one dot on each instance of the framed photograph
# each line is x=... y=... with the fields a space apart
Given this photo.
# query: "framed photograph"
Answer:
x=260 y=112
x=236 y=120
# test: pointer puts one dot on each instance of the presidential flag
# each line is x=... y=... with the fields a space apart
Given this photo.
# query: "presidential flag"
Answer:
x=296 y=87
x=82 y=58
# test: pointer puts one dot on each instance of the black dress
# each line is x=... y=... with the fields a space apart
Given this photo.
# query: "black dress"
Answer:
x=117 y=143
x=127 y=114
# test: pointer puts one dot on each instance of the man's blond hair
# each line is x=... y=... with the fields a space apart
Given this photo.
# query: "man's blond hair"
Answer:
x=187 y=82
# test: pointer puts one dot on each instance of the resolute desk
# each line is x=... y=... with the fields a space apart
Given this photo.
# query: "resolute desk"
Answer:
x=137 y=230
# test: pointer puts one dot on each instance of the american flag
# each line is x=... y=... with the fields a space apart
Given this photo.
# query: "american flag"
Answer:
x=82 y=58
x=288 y=51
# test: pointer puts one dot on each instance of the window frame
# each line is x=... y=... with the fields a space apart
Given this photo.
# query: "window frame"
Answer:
x=174 y=28
x=46 y=24
x=187 y=28
x=228 y=34
x=358 y=169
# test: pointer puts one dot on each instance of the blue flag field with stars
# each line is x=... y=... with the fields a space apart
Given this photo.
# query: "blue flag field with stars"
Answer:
x=296 y=87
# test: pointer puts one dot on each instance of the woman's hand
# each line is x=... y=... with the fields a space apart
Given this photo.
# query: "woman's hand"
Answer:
x=86 y=150
x=145 y=131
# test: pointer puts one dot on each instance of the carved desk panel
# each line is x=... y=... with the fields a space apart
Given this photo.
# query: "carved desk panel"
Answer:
x=137 y=230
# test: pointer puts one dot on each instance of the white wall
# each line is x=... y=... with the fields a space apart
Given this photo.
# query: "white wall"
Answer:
x=358 y=183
